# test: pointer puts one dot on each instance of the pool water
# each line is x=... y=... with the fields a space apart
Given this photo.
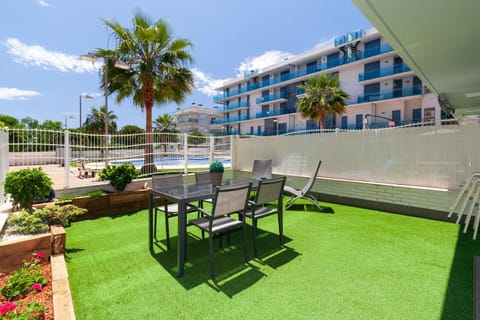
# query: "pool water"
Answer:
x=173 y=161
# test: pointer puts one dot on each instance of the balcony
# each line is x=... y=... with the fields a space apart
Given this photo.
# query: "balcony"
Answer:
x=278 y=97
x=231 y=119
x=272 y=113
x=324 y=66
x=405 y=92
x=384 y=72
x=187 y=120
x=299 y=92
x=233 y=106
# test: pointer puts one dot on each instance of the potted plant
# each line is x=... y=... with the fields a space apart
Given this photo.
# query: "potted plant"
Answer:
x=216 y=172
x=26 y=185
x=120 y=175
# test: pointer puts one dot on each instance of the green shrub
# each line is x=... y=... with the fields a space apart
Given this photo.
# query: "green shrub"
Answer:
x=39 y=220
x=26 y=185
x=216 y=166
x=119 y=176
x=94 y=194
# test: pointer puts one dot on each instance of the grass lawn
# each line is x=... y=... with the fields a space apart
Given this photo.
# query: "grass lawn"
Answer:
x=352 y=264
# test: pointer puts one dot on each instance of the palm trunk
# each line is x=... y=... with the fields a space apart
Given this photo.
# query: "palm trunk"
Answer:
x=321 y=120
x=149 y=165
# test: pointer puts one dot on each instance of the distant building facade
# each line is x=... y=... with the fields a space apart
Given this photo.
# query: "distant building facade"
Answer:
x=197 y=118
x=383 y=90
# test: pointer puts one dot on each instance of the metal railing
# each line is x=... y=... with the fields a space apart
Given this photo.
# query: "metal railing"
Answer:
x=33 y=147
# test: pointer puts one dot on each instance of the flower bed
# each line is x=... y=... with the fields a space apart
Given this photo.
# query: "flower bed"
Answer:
x=27 y=292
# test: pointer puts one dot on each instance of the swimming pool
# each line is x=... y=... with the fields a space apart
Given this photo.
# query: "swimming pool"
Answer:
x=174 y=162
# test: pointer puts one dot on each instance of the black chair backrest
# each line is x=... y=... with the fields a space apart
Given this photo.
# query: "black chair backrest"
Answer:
x=231 y=199
x=170 y=180
x=262 y=169
x=203 y=177
x=269 y=190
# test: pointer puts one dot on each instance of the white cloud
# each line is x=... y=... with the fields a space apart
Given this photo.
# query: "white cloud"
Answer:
x=38 y=56
x=205 y=83
x=17 y=94
x=43 y=3
x=262 y=61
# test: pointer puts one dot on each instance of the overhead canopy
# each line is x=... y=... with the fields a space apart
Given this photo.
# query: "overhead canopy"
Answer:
x=439 y=40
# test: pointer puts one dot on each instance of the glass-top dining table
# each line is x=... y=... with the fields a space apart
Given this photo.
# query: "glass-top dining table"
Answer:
x=183 y=194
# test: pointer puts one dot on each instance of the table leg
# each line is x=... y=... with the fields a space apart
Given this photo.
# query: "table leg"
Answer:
x=182 y=237
x=150 y=222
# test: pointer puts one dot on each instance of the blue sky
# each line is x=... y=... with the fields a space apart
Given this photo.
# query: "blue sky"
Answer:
x=42 y=77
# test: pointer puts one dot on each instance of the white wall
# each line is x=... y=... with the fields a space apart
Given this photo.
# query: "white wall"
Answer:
x=430 y=156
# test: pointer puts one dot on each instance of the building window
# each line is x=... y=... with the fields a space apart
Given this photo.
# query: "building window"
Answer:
x=312 y=125
x=265 y=81
x=396 y=116
x=371 y=70
x=397 y=65
x=371 y=92
x=344 y=122
x=397 y=88
x=372 y=48
x=333 y=60
x=311 y=67
x=285 y=75
x=251 y=130
x=417 y=85
x=417 y=115
x=259 y=130
x=359 y=121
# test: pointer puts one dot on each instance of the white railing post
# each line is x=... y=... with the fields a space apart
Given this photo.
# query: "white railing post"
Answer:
x=3 y=163
x=211 y=156
x=66 y=158
x=185 y=153
x=232 y=153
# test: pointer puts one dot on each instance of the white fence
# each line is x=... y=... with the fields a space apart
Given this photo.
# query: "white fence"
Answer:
x=43 y=147
x=3 y=163
x=431 y=156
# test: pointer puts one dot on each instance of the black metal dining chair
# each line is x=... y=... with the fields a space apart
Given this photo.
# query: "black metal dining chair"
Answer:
x=218 y=221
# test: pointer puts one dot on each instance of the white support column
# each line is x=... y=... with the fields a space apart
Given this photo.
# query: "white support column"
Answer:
x=212 y=149
x=185 y=153
x=66 y=158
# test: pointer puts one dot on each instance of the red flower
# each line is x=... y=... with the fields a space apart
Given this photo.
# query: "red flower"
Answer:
x=7 y=307
x=37 y=286
x=40 y=255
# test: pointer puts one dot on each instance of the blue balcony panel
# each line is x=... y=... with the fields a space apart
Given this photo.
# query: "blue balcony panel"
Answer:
x=383 y=72
x=272 y=97
x=231 y=119
x=405 y=92
x=275 y=113
x=233 y=106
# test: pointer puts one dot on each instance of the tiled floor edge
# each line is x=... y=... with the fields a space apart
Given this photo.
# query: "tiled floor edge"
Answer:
x=62 y=297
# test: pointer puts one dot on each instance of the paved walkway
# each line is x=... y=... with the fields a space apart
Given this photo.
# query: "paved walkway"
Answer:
x=57 y=174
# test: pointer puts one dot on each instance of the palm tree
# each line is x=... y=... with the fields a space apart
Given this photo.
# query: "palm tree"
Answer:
x=95 y=122
x=167 y=127
x=322 y=97
x=157 y=74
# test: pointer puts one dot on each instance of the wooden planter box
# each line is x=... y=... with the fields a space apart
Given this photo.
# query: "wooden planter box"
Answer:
x=14 y=252
x=112 y=203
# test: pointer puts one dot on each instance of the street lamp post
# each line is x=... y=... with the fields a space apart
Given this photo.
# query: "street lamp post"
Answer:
x=84 y=96
x=92 y=57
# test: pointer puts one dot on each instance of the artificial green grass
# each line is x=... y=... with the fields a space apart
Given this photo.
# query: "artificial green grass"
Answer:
x=352 y=264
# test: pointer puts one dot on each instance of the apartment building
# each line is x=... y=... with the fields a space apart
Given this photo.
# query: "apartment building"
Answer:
x=383 y=90
x=197 y=118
